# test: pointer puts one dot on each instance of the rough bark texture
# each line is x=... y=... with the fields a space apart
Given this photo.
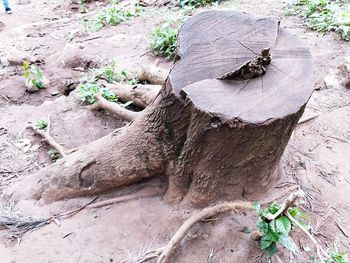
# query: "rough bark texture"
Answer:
x=213 y=139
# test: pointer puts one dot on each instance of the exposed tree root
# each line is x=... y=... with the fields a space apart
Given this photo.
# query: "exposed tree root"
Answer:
x=144 y=192
x=204 y=214
x=167 y=250
x=163 y=253
x=48 y=138
x=114 y=108
x=121 y=158
x=286 y=205
x=153 y=75
x=141 y=95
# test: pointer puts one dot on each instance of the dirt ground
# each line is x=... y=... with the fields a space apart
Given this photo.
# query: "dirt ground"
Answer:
x=50 y=34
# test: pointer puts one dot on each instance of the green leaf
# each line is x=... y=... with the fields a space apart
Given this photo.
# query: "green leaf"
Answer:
x=262 y=226
x=271 y=250
x=272 y=235
x=245 y=230
x=41 y=124
x=37 y=72
x=25 y=65
x=39 y=84
x=283 y=225
x=288 y=243
x=256 y=206
x=295 y=212
x=265 y=243
x=273 y=208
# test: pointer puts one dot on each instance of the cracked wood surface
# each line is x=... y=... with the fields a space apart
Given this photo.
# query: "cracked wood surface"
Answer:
x=283 y=90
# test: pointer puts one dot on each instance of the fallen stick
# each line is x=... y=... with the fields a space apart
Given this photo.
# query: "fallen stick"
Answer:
x=145 y=192
x=113 y=108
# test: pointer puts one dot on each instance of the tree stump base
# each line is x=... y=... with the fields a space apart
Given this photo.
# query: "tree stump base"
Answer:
x=214 y=132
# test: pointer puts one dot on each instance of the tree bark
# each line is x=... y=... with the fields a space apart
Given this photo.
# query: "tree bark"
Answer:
x=213 y=139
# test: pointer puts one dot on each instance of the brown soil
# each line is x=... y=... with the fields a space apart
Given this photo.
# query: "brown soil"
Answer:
x=317 y=157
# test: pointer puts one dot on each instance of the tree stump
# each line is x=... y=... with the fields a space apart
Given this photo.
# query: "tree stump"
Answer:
x=215 y=131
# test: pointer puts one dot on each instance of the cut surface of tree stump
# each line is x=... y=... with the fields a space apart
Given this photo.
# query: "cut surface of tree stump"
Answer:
x=214 y=139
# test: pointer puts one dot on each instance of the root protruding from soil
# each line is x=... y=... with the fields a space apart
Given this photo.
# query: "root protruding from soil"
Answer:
x=153 y=75
x=187 y=225
x=114 y=108
x=141 y=95
x=49 y=139
x=145 y=192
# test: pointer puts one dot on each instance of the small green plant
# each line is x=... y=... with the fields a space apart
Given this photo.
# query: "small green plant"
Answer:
x=337 y=256
x=164 y=36
x=195 y=3
x=88 y=91
x=164 y=40
x=82 y=6
x=112 y=15
x=110 y=73
x=41 y=124
x=54 y=154
x=277 y=230
x=324 y=15
x=33 y=75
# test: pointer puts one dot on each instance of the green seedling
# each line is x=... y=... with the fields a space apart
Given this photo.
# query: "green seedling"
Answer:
x=324 y=15
x=195 y=3
x=164 y=40
x=41 y=124
x=112 y=15
x=276 y=231
x=33 y=75
x=54 y=154
x=88 y=91
x=110 y=73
